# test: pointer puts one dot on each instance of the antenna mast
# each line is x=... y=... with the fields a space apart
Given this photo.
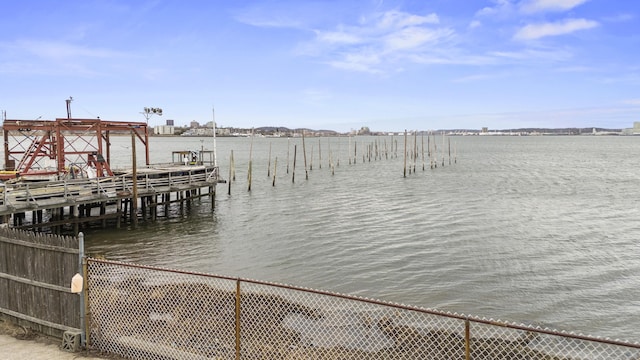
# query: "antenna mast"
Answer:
x=69 y=100
x=215 y=154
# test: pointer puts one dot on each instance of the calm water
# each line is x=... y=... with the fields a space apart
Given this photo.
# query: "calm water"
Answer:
x=542 y=230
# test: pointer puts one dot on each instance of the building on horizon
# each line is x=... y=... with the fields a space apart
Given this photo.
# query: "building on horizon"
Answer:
x=635 y=130
x=164 y=129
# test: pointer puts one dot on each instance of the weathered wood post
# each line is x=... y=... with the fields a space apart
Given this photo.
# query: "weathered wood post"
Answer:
x=293 y=171
x=429 y=150
x=319 y=154
x=422 y=138
x=349 y=149
x=250 y=162
x=119 y=212
x=405 y=153
x=230 y=173
x=304 y=154
x=443 y=143
x=275 y=166
x=269 y=163
x=134 y=179
x=355 y=151
x=415 y=149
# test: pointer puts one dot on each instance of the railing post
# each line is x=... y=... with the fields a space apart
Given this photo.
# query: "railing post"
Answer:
x=81 y=270
x=238 y=319
x=467 y=340
x=28 y=193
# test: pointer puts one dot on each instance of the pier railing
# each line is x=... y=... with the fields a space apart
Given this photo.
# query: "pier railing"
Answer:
x=144 y=312
x=29 y=194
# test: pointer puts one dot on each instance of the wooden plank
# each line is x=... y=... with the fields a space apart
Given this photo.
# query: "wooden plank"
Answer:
x=36 y=283
x=37 y=321
x=39 y=246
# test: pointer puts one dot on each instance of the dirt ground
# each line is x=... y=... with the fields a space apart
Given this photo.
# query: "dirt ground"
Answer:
x=23 y=333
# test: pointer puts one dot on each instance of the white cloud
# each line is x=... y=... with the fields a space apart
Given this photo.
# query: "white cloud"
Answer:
x=576 y=69
x=533 y=6
x=54 y=57
x=361 y=62
x=634 y=102
x=398 y=19
x=413 y=37
x=378 y=42
x=338 y=37
x=537 y=55
x=60 y=50
x=629 y=77
x=537 y=31
x=620 y=18
x=472 y=78
x=271 y=16
x=475 y=24
x=315 y=96
x=500 y=9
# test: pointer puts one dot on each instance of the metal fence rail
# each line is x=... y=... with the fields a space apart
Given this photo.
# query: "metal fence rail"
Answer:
x=144 y=312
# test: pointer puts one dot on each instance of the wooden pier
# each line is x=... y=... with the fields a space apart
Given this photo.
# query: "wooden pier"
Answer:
x=67 y=206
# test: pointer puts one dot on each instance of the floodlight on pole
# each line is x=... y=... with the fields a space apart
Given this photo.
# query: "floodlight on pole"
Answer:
x=148 y=112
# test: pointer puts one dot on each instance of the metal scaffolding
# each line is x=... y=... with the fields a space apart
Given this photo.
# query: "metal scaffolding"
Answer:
x=42 y=149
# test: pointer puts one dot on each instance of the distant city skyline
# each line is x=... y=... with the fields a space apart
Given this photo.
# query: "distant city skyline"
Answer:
x=387 y=65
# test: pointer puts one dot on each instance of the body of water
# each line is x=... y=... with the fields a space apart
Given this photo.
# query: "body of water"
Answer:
x=540 y=230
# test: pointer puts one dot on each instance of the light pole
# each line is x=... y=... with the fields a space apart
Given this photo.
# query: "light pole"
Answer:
x=149 y=112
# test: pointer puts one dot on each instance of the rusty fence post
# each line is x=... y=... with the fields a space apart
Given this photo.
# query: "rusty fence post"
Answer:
x=467 y=340
x=238 y=297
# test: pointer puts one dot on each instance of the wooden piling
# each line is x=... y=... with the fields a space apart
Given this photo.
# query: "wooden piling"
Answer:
x=405 y=153
x=355 y=151
x=250 y=162
x=230 y=173
x=423 y=161
x=349 y=149
x=443 y=147
x=293 y=171
x=269 y=163
x=275 y=166
x=415 y=149
x=134 y=179
x=319 y=155
x=304 y=154
x=119 y=212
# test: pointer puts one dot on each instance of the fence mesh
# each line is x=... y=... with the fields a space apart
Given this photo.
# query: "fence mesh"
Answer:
x=147 y=313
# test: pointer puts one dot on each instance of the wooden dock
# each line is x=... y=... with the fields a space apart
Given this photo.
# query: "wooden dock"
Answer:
x=65 y=206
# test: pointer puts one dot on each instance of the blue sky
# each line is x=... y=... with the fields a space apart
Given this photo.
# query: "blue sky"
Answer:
x=388 y=65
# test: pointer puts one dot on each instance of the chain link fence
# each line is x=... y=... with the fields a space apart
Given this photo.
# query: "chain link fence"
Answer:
x=142 y=312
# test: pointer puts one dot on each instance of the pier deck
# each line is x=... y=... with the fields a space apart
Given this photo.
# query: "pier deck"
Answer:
x=116 y=196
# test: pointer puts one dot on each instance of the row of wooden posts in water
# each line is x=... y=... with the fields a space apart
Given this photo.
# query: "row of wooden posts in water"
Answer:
x=374 y=150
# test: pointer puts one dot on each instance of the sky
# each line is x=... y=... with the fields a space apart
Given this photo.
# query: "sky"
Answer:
x=335 y=65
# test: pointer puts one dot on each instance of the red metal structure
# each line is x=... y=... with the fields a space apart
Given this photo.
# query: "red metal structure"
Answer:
x=61 y=147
